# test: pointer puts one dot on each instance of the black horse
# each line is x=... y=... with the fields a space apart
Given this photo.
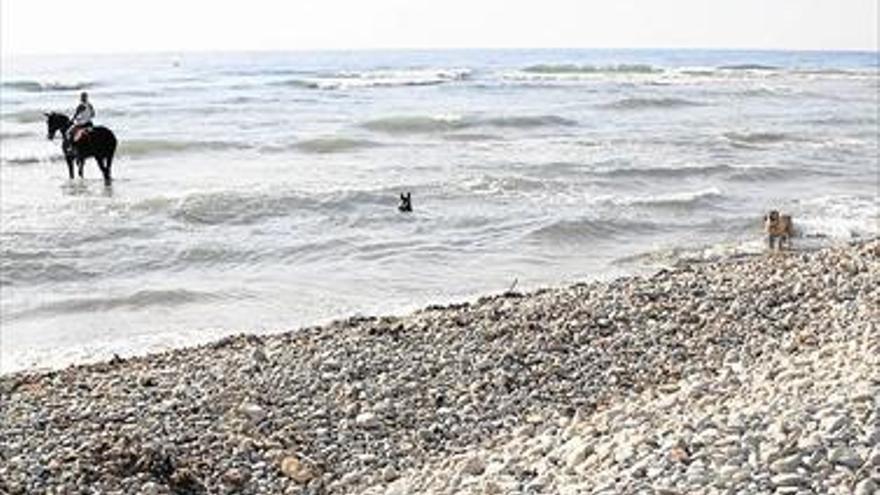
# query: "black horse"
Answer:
x=98 y=143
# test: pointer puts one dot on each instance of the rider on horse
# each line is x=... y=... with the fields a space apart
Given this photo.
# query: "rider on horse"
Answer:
x=82 y=118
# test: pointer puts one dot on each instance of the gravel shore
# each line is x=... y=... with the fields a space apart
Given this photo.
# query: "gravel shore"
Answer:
x=756 y=375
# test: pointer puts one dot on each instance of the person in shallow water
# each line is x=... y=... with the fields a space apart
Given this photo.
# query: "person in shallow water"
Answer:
x=82 y=117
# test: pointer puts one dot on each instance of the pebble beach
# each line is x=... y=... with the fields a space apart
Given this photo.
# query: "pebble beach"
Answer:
x=758 y=374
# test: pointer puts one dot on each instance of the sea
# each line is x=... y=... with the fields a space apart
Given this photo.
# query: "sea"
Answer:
x=258 y=192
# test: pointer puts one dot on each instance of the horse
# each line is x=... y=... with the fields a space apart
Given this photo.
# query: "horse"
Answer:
x=97 y=142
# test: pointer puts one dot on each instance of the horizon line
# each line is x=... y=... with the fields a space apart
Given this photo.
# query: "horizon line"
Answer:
x=205 y=51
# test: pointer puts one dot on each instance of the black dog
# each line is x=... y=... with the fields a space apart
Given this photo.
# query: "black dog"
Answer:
x=405 y=202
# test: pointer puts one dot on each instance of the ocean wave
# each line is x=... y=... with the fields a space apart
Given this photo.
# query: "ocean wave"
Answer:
x=31 y=86
x=688 y=199
x=452 y=74
x=748 y=67
x=765 y=173
x=298 y=83
x=326 y=145
x=699 y=254
x=640 y=103
x=739 y=173
x=844 y=121
x=843 y=217
x=834 y=71
x=14 y=134
x=661 y=172
x=472 y=137
x=698 y=72
x=507 y=184
x=149 y=147
x=31 y=160
x=551 y=69
x=525 y=121
x=376 y=79
x=138 y=300
x=416 y=124
x=447 y=123
x=757 y=137
x=24 y=116
x=246 y=208
x=17 y=268
x=594 y=229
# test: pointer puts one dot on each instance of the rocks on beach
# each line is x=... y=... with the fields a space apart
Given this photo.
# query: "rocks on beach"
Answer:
x=756 y=375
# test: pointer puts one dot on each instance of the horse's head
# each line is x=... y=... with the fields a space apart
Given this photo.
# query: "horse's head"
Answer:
x=56 y=122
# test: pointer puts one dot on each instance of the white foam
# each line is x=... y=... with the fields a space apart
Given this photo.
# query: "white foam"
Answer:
x=838 y=217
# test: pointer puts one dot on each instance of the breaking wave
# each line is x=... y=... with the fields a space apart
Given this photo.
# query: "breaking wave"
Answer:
x=448 y=123
x=688 y=199
x=472 y=137
x=591 y=69
x=244 y=208
x=642 y=103
x=415 y=124
x=752 y=138
x=668 y=172
x=842 y=217
x=152 y=147
x=14 y=134
x=31 y=159
x=526 y=122
x=334 y=145
x=593 y=229
x=376 y=79
x=24 y=117
x=31 y=86
x=749 y=67
x=138 y=300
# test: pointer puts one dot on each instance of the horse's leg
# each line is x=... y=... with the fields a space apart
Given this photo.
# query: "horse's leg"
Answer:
x=80 y=164
x=105 y=170
x=69 y=166
x=108 y=176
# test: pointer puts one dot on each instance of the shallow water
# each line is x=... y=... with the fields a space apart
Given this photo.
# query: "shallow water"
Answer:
x=257 y=192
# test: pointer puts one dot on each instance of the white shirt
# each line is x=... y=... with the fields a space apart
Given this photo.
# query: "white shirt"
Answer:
x=84 y=114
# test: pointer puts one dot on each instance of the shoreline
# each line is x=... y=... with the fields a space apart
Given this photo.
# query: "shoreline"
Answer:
x=669 y=258
x=368 y=403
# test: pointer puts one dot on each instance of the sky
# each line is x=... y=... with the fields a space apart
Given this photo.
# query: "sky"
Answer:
x=118 y=26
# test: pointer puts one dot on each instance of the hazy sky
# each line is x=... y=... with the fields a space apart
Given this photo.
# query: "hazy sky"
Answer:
x=90 y=26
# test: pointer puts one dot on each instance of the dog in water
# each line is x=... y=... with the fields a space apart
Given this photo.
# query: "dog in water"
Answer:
x=779 y=230
x=405 y=202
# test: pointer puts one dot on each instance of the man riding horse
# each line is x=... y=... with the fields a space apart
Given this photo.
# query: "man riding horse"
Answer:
x=82 y=118
x=82 y=140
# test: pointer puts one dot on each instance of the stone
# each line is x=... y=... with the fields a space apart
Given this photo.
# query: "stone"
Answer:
x=786 y=464
x=865 y=487
x=147 y=381
x=185 y=481
x=834 y=422
x=845 y=456
x=252 y=411
x=678 y=454
x=297 y=470
x=367 y=420
x=389 y=474
x=234 y=478
x=473 y=466
x=578 y=450
x=728 y=474
x=787 y=479
x=259 y=356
